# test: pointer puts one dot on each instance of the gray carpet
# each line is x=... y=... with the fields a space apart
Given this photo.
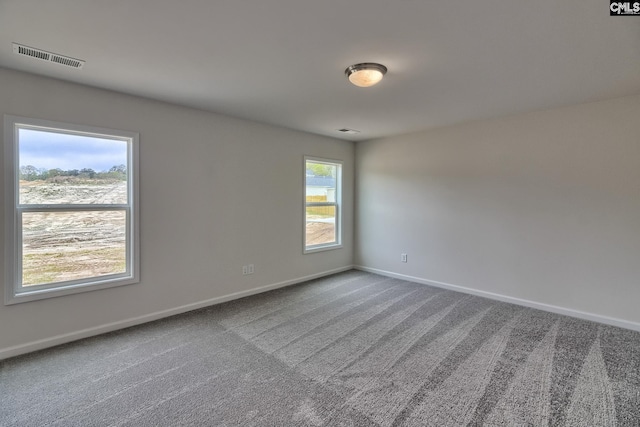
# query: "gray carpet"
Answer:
x=353 y=349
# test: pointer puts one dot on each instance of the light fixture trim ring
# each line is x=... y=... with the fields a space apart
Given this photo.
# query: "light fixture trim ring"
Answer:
x=365 y=66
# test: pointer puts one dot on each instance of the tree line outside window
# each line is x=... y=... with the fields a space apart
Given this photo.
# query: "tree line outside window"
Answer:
x=32 y=173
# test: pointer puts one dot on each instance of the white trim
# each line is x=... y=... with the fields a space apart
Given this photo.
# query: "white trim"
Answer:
x=626 y=324
x=321 y=248
x=10 y=201
x=121 y=324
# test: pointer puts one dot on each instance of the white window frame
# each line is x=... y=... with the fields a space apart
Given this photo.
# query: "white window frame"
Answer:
x=307 y=249
x=15 y=292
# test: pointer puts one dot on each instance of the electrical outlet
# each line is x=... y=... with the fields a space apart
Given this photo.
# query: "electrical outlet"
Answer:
x=247 y=269
x=403 y=257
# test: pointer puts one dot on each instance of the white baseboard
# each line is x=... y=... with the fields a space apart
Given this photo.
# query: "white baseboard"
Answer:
x=121 y=324
x=526 y=303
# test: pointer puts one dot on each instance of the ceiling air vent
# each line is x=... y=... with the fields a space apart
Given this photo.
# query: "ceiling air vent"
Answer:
x=349 y=131
x=47 y=56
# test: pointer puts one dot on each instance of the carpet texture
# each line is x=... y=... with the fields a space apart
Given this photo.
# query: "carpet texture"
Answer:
x=353 y=349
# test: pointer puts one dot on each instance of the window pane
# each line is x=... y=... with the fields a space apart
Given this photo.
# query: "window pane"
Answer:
x=61 y=246
x=321 y=182
x=59 y=168
x=321 y=225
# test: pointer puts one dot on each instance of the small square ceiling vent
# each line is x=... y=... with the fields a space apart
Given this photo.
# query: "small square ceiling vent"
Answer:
x=43 y=55
x=349 y=131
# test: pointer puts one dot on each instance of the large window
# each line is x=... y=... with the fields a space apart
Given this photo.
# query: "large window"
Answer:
x=71 y=209
x=323 y=181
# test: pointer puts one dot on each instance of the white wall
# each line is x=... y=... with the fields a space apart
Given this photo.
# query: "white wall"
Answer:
x=215 y=192
x=542 y=207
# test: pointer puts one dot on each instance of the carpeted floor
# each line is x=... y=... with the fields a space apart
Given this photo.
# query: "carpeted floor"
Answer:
x=353 y=349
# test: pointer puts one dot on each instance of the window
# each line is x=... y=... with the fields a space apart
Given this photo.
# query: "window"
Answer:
x=323 y=181
x=71 y=220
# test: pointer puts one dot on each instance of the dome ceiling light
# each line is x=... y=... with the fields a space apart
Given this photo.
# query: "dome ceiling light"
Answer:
x=366 y=74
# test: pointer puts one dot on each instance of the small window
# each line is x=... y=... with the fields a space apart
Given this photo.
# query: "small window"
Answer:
x=71 y=209
x=323 y=182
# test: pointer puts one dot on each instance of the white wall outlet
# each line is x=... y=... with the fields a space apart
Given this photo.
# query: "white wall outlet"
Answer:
x=247 y=269
x=403 y=257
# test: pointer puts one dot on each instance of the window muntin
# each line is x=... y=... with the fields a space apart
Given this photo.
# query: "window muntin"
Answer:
x=322 y=204
x=71 y=219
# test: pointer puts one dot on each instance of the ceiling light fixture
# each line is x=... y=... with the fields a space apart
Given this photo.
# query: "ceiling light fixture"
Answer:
x=366 y=74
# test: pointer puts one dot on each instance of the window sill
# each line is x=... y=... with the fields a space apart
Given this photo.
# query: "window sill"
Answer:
x=321 y=248
x=39 y=294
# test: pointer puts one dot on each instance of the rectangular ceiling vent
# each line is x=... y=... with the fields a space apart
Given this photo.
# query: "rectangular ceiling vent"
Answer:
x=349 y=131
x=47 y=56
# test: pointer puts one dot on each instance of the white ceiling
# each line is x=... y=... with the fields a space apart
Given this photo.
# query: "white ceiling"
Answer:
x=282 y=61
